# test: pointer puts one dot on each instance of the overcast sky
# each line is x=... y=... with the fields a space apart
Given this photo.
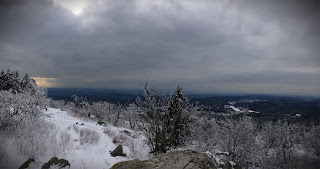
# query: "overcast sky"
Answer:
x=213 y=46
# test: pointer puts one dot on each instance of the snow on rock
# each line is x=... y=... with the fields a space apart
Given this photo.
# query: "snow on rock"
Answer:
x=87 y=155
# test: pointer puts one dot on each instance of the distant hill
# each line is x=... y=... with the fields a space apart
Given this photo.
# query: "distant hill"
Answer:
x=271 y=105
x=110 y=95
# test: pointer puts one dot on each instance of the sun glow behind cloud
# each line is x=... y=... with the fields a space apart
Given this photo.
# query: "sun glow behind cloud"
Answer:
x=75 y=6
x=45 y=82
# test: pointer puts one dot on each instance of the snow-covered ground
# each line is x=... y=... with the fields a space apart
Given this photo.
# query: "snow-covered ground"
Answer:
x=87 y=156
x=235 y=109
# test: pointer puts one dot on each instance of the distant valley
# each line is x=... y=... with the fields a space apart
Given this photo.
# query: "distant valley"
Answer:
x=263 y=107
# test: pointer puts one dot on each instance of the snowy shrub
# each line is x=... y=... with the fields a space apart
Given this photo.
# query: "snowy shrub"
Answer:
x=139 y=148
x=237 y=138
x=131 y=115
x=120 y=138
x=58 y=104
x=110 y=113
x=109 y=132
x=16 y=108
x=312 y=139
x=88 y=136
x=80 y=102
x=117 y=137
x=204 y=136
x=2 y=148
x=41 y=138
x=73 y=109
x=64 y=139
x=102 y=110
x=75 y=128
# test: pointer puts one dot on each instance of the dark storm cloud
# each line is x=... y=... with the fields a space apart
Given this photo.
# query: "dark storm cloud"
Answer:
x=207 y=45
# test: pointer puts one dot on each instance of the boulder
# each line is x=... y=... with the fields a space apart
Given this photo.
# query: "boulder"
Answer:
x=27 y=163
x=118 y=152
x=178 y=160
x=101 y=122
x=62 y=163
x=54 y=162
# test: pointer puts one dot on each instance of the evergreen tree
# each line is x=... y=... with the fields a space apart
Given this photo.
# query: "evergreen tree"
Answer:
x=167 y=120
x=10 y=81
x=177 y=119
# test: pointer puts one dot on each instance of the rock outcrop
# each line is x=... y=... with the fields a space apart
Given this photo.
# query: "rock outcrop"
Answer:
x=178 y=160
x=118 y=152
x=54 y=162
x=62 y=163
x=27 y=163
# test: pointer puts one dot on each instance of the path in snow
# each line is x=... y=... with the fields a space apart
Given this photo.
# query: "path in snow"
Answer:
x=88 y=156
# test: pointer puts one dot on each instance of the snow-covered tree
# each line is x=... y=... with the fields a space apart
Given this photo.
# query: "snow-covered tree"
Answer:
x=166 y=119
x=15 y=108
x=80 y=102
x=237 y=138
x=19 y=99
x=177 y=119
x=10 y=81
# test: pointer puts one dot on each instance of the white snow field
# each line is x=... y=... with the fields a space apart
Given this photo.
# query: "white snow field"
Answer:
x=95 y=155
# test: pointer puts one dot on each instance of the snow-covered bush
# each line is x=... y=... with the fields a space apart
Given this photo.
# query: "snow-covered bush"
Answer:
x=204 y=133
x=20 y=100
x=237 y=138
x=131 y=115
x=2 y=148
x=88 y=136
x=80 y=102
x=139 y=148
x=280 y=142
x=312 y=136
x=58 y=104
x=15 y=108
x=38 y=138
x=76 y=128
x=137 y=144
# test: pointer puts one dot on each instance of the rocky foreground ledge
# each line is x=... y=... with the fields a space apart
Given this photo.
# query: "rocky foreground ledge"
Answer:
x=187 y=159
x=178 y=160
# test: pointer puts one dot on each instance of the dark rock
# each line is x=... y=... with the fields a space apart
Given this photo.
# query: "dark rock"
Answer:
x=27 y=163
x=177 y=160
x=133 y=164
x=62 y=163
x=118 y=152
x=100 y=122
x=126 y=132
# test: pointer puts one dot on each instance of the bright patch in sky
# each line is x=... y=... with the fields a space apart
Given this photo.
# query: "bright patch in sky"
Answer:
x=45 y=82
x=75 y=6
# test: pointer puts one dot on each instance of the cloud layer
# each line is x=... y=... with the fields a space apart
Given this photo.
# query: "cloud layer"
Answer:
x=214 y=46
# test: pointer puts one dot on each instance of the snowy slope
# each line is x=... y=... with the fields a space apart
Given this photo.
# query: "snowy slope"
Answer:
x=84 y=156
